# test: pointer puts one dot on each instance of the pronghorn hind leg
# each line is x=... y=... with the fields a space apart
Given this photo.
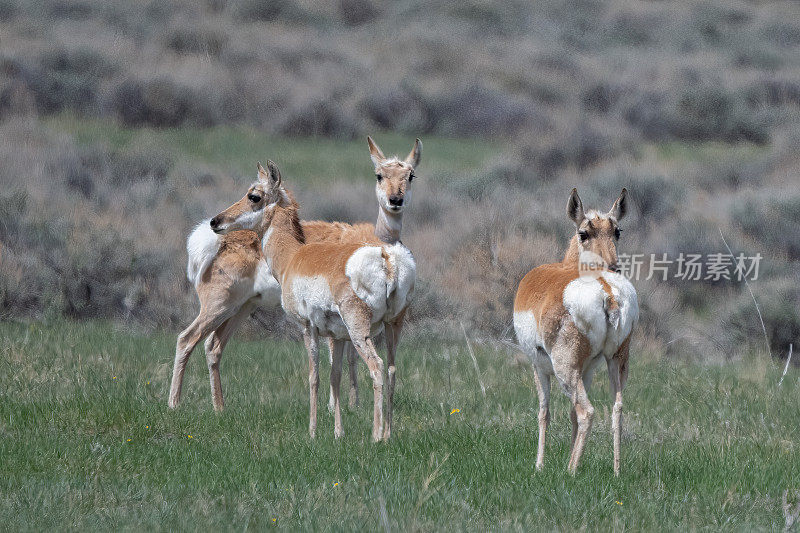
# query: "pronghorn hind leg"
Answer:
x=584 y=412
x=214 y=346
x=199 y=329
x=617 y=376
x=352 y=364
x=542 y=380
x=357 y=317
x=337 y=349
x=311 y=339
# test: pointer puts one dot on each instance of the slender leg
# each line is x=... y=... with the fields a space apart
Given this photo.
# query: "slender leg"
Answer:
x=573 y=417
x=200 y=328
x=585 y=414
x=312 y=347
x=330 y=360
x=543 y=391
x=337 y=349
x=352 y=363
x=357 y=317
x=366 y=349
x=616 y=413
x=392 y=334
x=617 y=376
x=215 y=343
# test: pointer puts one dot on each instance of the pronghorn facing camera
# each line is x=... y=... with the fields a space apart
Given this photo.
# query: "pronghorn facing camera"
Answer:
x=231 y=277
x=345 y=291
x=570 y=316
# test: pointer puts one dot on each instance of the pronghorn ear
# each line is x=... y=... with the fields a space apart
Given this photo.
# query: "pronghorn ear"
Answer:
x=374 y=152
x=575 y=208
x=620 y=207
x=271 y=175
x=262 y=174
x=415 y=155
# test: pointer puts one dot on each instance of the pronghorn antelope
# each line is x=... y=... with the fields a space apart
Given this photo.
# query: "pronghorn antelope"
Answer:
x=344 y=291
x=569 y=316
x=231 y=276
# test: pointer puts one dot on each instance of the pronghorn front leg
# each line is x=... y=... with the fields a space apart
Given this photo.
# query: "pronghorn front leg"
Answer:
x=311 y=339
x=352 y=363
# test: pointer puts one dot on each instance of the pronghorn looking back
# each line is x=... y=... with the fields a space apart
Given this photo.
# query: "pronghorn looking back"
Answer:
x=231 y=276
x=570 y=316
x=344 y=291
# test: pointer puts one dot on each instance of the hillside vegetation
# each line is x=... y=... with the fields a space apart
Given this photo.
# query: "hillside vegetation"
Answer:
x=125 y=123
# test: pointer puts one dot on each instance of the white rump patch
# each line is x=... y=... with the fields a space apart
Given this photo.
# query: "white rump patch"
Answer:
x=369 y=278
x=586 y=302
x=201 y=247
x=404 y=277
x=625 y=294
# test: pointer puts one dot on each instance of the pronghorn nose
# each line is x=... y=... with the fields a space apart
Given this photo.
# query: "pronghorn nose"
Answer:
x=395 y=200
x=214 y=223
x=614 y=267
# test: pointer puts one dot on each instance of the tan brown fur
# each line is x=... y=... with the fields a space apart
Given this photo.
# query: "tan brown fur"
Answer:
x=563 y=350
x=322 y=265
x=237 y=259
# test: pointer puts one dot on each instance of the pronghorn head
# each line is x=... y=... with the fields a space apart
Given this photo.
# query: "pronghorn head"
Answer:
x=394 y=176
x=262 y=197
x=597 y=233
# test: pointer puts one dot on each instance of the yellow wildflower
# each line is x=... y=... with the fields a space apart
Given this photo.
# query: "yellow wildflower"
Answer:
x=189 y=437
x=336 y=484
x=619 y=503
x=454 y=411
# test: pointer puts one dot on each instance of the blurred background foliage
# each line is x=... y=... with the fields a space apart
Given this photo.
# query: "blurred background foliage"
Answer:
x=123 y=123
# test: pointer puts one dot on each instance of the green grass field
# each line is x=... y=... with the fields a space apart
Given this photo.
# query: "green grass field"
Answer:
x=86 y=441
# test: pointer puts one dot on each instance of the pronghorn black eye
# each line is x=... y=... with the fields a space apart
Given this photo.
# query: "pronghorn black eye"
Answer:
x=583 y=236
x=379 y=177
x=254 y=198
x=411 y=177
x=617 y=231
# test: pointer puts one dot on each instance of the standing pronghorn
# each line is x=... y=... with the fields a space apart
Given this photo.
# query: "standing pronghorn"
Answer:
x=569 y=316
x=345 y=291
x=232 y=278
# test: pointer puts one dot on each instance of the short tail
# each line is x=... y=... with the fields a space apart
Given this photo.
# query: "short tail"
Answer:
x=611 y=304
